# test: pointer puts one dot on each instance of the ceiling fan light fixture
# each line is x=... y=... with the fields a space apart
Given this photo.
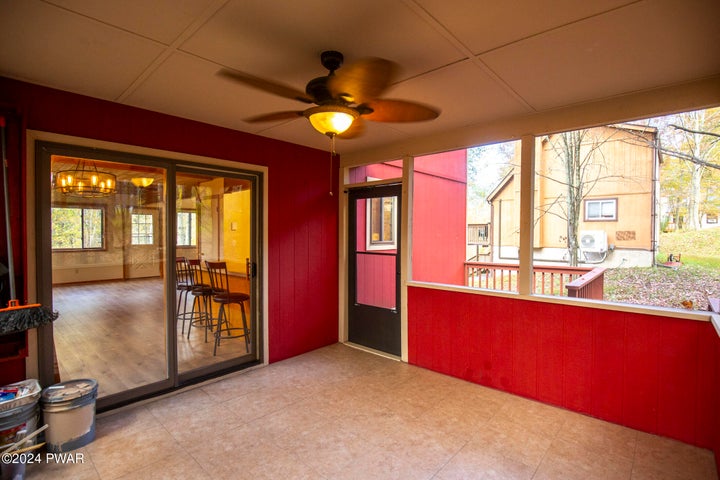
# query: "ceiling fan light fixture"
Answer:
x=331 y=120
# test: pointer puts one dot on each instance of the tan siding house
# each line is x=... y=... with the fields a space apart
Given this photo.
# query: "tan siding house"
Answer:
x=617 y=167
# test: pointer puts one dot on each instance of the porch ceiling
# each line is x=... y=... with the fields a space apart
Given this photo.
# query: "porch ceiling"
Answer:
x=476 y=61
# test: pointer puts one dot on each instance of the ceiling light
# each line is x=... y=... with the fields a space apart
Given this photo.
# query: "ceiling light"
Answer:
x=331 y=120
x=142 y=181
x=85 y=181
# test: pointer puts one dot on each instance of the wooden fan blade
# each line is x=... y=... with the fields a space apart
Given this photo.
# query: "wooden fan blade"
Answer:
x=266 y=85
x=356 y=129
x=363 y=80
x=385 y=110
x=275 y=116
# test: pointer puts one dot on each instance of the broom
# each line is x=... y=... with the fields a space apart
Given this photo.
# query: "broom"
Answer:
x=16 y=317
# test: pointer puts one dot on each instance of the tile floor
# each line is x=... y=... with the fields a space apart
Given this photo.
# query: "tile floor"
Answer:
x=340 y=413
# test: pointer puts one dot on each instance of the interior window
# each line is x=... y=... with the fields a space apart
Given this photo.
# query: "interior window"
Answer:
x=186 y=228
x=142 y=229
x=77 y=228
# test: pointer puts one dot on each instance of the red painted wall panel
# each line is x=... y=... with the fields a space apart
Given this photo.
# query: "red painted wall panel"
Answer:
x=577 y=361
x=678 y=374
x=302 y=215
x=640 y=388
x=607 y=362
x=550 y=334
x=525 y=358
x=657 y=374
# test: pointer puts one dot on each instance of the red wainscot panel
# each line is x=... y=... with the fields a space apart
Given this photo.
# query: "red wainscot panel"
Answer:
x=653 y=373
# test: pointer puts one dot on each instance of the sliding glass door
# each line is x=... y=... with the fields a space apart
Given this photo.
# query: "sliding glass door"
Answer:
x=123 y=246
x=215 y=222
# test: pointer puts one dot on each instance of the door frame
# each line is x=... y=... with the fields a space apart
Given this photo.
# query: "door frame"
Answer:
x=405 y=243
x=40 y=358
x=372 y=311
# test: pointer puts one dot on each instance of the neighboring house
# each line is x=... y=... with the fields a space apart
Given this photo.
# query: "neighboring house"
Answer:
x=617 y=221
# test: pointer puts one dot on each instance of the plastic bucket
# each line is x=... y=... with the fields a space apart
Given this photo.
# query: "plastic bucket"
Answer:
x=69 y=411
x=15 y=424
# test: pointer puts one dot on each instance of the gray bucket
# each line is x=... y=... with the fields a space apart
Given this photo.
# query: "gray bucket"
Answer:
x=16 y=424
x=69 y=411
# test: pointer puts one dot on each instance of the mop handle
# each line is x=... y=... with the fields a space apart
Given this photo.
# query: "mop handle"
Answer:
x=11 y=264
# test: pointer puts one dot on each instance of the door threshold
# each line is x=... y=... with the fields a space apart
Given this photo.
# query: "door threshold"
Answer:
x=373 y=351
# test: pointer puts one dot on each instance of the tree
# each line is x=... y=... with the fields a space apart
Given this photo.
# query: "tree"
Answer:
x=690 y=145
x=692 y=138
x=581 y=171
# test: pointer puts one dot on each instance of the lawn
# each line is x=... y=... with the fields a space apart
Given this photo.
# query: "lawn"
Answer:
x=697 y=278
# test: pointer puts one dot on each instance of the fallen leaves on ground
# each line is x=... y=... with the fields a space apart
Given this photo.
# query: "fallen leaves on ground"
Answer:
x=662 y=286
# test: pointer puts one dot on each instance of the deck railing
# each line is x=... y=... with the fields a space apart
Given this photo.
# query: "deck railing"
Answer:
x=580 y=282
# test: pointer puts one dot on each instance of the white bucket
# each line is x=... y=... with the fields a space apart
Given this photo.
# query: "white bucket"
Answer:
x=69 y=410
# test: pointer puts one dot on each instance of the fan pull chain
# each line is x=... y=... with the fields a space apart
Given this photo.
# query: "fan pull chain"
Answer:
x=332 y=155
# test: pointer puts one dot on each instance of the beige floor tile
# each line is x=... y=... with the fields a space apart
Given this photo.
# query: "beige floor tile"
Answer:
x=326 y=449
x=77 y=464
x=476 y=462
x=662 y=458
x=521 y=442
x=597 y=437
x=378 y=464
x=174 y=467
x=537 y=417
x=575 y=461
x=339 y=413
x=122 y=454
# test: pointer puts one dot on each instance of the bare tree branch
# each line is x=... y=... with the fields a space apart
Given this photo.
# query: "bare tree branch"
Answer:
x=700 y=132
x=688 y=157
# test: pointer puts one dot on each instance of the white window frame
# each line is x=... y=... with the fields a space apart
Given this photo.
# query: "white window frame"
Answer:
x=135 y=235
x=603 y=202
x=371 y=244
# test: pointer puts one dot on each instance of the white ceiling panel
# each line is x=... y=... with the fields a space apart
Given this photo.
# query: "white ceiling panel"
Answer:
x=500 y=23
x=254 y=32
x=475 y=61
x=161 y=20
x=645 y=45
x=44 y=44
x=466 y=94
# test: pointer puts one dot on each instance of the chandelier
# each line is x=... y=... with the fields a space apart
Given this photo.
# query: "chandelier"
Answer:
x=85 y=181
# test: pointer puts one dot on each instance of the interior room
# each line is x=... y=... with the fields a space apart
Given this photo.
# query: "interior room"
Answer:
x=154 y=150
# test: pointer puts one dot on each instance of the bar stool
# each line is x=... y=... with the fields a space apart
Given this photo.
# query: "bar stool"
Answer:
x=221 y=293
x=201 y=312
x=183 y=285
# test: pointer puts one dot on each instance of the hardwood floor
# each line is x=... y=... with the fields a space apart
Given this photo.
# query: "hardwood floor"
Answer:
x=115 y=333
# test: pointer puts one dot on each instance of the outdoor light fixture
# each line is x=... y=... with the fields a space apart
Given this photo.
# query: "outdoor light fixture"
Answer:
x=142 y=181
x=85 y=181
x=331 y=120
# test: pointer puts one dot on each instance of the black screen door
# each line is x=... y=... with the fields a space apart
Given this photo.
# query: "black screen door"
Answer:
x=374 y=268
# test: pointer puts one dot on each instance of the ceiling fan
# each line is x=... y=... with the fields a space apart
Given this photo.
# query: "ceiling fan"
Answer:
x=343 y=98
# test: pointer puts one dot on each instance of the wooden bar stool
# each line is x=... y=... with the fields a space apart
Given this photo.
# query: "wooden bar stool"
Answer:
x=201 y=312
x=183 y=285
x=221 y=294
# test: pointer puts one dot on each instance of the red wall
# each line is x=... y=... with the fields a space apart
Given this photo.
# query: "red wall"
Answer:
x=302 y=223
x=656 y=374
